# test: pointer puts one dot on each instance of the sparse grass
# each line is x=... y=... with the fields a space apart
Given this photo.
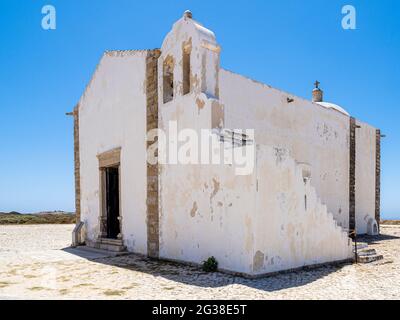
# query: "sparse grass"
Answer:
x=37 y=288
x=131 y=286
x=83 y=285
x=63 y=279
x=12 y=272
x=114 y=292
x=16 y=218
x=390 y=222
x=4 y=284
x=169 y=288
x=63 y=291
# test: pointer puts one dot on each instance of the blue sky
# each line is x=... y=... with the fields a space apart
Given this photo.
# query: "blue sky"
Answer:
x=287 y=44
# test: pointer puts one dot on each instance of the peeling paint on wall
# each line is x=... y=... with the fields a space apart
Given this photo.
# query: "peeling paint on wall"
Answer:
x=312 y=133
x=194 y=210
x=216 y=187
x=200 y=104
x=258 y=261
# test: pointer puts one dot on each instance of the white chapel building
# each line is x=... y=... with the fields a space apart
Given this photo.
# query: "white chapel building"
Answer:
x=314 y=178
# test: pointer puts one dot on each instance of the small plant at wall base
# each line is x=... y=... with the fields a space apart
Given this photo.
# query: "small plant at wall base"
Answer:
x=210 y=265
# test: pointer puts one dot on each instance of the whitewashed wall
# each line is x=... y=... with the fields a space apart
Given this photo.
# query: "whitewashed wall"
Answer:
x=207 y=211
x=291 y=227
x=113 y=114
x=204 y=209
x=315 y=136
x=249 y=223
x=365 y=175
x=252 y=224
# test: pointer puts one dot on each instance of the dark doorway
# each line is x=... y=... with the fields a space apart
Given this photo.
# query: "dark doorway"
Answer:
x=112 y=202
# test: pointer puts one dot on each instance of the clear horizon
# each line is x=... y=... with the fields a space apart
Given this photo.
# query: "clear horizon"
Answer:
x=286 y=44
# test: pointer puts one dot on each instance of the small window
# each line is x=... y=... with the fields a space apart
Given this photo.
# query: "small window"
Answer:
x=168 y=79
x=186 y=71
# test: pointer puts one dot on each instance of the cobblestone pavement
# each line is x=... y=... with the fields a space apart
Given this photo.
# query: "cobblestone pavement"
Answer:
x=33 y=265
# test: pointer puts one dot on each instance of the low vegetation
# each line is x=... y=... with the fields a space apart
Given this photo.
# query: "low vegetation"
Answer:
x=57 y=217
x=390 y=222
x=210 y=265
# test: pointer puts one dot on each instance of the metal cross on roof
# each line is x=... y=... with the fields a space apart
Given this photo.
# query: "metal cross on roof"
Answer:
x=317 y=83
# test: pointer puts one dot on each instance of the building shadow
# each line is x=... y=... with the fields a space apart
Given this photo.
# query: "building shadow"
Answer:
x=195 y=276
x=376 y=239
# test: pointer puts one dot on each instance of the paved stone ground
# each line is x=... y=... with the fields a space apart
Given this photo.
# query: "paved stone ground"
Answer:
x=33 y=265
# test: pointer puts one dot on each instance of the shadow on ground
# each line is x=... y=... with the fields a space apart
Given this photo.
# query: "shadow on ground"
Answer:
x=376 y=239
x=194 y=276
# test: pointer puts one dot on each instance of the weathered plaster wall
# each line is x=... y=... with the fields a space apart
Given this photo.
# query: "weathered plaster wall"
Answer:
x=268 y=221
x=187 y=34
x=318 y=138
x=365 y=175
x=113 y=114
x=256 y=223
x=204 y=209
x=292 y=228
x=207 y=211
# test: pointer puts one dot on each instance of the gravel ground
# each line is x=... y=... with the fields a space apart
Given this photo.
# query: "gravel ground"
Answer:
x=33 y=265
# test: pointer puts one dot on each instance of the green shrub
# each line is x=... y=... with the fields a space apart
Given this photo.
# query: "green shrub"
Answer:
x=210 y=265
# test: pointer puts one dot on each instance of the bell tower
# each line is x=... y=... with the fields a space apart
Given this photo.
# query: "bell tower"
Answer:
x=189 y=60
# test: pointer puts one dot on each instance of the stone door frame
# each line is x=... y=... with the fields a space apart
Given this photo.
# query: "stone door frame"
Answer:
x=108 y=159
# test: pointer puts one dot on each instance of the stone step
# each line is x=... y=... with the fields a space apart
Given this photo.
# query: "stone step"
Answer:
x=111 y=247
x=366 y=252
x=114 y=245
x=368 y=259
x=116 y=242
